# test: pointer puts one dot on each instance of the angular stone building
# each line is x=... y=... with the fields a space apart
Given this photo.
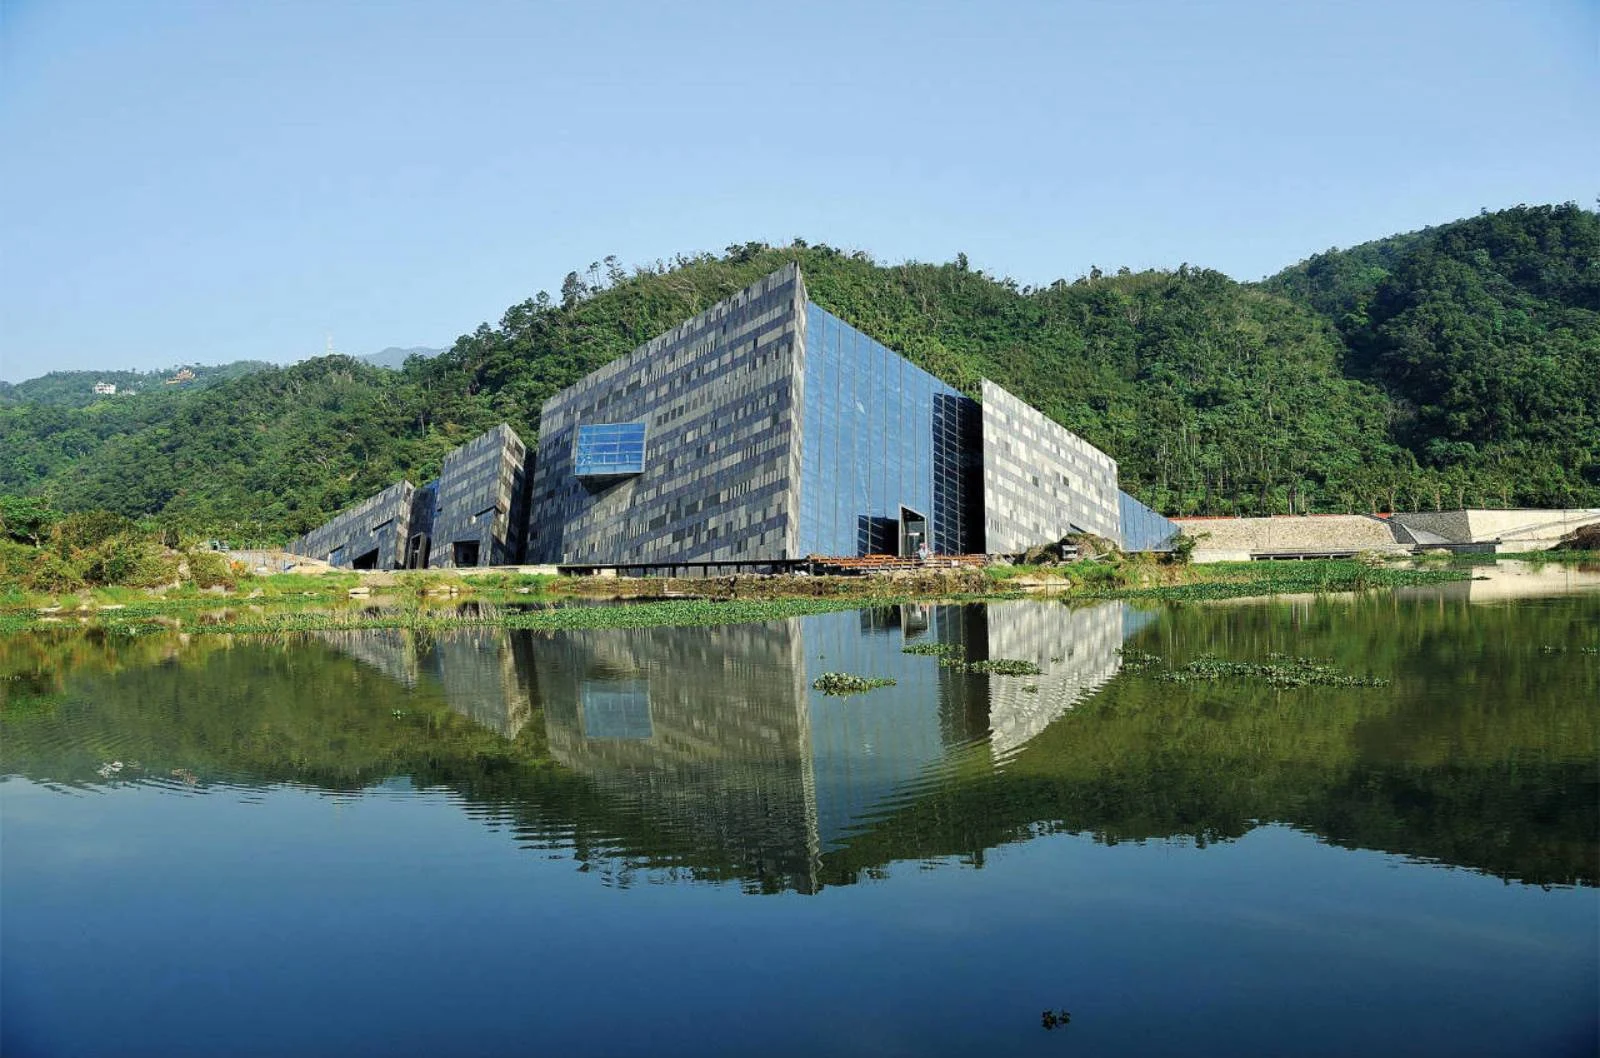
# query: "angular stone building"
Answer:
x=767 y=429
x=473 y=514
x=370 y=535
x=480 y=503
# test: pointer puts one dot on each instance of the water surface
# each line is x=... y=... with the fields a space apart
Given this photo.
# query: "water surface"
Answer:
x=664 y=841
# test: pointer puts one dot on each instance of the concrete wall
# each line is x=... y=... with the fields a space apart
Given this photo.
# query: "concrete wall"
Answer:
x=719 y=396
x=1518 y=529
x=1529 y=529
x=1040 y=480
x=1237 y=539
x=481 y=498
x=380 y=523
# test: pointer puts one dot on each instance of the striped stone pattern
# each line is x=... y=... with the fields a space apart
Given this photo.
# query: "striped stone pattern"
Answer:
x=481 y=498
x=719 y=397
x=379 y=524
x=1078 y=649
x=1040 y=480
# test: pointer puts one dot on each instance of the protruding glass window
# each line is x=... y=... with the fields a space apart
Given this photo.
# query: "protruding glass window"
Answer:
x=609 y=450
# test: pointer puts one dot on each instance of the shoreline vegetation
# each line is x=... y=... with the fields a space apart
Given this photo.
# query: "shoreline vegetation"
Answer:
x=99 y=570
x=282 y=603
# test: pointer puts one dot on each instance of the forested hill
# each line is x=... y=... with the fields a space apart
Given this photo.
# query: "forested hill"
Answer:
x=75 y=389
x=1457 y=365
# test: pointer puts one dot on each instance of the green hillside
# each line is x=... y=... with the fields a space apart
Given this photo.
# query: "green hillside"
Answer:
x=1454 y=365
x=75 y=389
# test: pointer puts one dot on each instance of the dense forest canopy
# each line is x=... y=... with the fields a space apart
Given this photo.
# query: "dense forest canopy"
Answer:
x=1458 y=365
x=75 y=389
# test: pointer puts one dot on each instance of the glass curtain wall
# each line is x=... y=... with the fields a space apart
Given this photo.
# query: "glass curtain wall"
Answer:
x=879 y=434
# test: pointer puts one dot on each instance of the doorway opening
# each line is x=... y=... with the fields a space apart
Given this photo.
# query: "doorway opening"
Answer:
x=465 y=552
x=913 y=532
x=417 y=552
x=369 y=560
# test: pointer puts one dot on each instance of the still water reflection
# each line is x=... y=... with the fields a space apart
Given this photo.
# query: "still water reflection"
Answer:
x=283 y=833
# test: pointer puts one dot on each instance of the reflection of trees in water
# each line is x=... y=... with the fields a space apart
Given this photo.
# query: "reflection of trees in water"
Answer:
x=704 y=751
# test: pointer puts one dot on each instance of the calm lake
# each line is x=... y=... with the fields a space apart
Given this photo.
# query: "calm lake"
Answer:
x=665 y=841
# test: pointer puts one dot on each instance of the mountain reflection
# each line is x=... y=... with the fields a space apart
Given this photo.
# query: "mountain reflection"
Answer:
x=706 y=753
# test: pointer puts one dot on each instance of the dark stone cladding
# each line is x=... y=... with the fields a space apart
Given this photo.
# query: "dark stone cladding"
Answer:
x=380 y=524
x=481 y=500
x=719 y=396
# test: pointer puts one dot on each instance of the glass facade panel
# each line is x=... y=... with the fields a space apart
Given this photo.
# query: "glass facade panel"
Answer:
x=880 y=434
x=609 y=450
x=1142 y=528
x=616 y=709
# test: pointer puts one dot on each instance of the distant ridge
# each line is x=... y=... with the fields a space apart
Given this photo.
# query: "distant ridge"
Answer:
x=395 y=357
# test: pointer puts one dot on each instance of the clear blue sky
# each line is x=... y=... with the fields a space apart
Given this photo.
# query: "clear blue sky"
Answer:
x=209 y=181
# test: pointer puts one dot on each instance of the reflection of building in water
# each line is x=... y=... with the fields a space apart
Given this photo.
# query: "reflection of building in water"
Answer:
x=714 y=736
x=718 y=732
x=483 y=673
x=701 y=731
x=1077 y=649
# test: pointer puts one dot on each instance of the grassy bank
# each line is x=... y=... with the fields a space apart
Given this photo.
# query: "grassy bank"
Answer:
x=430 y=599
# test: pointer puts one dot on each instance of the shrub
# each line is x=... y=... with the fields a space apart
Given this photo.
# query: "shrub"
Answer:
x=87 y=529
x=25 y=519
x=210 y=569
x=52 y=574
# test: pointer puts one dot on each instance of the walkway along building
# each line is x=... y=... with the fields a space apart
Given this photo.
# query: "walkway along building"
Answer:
x=764 y=429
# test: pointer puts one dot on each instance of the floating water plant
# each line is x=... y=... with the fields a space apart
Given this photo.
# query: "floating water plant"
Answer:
x=1005 y=667
x=842 y=683
x=1280 y=670
x=1138 y=660
x=938 y=650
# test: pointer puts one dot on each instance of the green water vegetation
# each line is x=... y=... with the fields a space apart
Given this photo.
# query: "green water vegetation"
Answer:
x=1279 y=670
x=1454 y=366
x=840 y=684
x=936 y=650
x=1004 y=667
x=953 y=656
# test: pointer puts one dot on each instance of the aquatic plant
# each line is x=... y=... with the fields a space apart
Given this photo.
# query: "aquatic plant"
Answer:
x=1280 y=670
x=1138 y=660
x=1005 y=667
x=938 y=650
x=842 y=683
x=1053 y=1019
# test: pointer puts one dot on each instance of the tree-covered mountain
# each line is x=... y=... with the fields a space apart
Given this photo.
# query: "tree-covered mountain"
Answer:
x=75 y=389
x=1457 y=365
x=1484 y=335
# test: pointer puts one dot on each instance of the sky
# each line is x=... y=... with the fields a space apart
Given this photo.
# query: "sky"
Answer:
x=203 y=182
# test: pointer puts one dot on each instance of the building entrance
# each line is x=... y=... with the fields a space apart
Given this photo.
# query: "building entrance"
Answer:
x=913 y=532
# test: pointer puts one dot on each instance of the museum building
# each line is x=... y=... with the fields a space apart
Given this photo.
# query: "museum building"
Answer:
x=765 y=429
